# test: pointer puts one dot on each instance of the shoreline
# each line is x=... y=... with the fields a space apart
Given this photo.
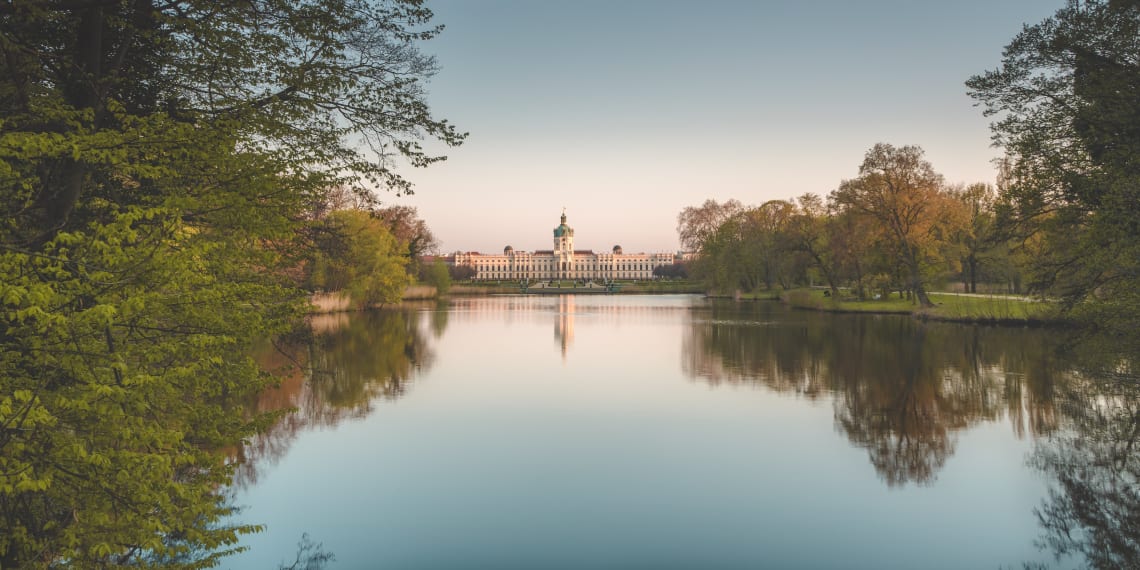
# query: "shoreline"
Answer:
x=977 y=310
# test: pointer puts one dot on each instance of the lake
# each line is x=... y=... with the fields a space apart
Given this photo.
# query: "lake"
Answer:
x=681 y=432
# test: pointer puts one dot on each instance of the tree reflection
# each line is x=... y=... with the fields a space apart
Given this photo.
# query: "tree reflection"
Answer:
x=902 y=389
x=374 y=356
x=1093 y=509
x=335 y=374
x=899 y=414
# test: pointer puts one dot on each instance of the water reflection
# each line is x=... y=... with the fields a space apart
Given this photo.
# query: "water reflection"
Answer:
x=1093 y=508
x=562 y=310
x=564 y=324
x=901 y=389
x=336 y=374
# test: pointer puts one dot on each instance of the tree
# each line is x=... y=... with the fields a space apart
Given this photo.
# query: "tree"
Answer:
x=156 y=162
x=672 y=271
x=903 y=194
x=462 y=272
x=765 y=245
x=405 y=224
x=697 y=224
x=1067 y=98
x=810 y=231
x=361 y=257
x=437 y=275
x=747 y=249
x=853 y=239
x=977 y=236
x=733 y=258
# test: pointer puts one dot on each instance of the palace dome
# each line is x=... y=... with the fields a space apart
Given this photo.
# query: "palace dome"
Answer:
x=563 y=229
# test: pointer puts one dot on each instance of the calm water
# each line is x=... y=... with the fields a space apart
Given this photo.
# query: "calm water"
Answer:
x=676 y=432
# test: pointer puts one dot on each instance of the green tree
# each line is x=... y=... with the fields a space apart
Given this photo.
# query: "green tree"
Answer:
x=156 y=162
x=812 y=231
x=437 y=275
x=1067 y=98
x=362 y=257
x=748 y=248
x=976 y=237
x=766 y=250
x=717 y=260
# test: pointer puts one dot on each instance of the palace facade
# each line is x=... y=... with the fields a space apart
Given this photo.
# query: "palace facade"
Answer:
x=562 y=262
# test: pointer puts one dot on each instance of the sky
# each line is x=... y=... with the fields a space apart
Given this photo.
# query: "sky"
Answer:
x=624 y=112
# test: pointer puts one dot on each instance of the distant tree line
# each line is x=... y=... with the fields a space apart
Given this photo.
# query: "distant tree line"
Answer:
x=896 y=227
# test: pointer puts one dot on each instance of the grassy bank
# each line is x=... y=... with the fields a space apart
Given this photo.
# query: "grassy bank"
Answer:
x=660 y=287
x=1003 y=309
x=740 y=296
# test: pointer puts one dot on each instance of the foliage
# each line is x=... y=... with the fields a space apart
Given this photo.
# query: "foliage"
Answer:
x=695 y=225
x=361 y=256
x=1067 y=102
x=895 y=227
x=977 y=239
x=123 y=345
x=412 y=232
x=904 y=196
x=462 y=272
x=156 y=162
x=672 y=271
x=437 y=275
x=749 y=249
x=813 y=232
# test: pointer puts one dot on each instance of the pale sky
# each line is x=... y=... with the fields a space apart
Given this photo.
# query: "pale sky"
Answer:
x=624 y=112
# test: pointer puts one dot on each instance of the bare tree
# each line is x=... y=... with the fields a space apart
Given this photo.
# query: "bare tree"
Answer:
x=696 y=223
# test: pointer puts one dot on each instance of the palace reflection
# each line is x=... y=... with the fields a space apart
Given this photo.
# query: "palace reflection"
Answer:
x=564 y=324
x=901 y=389
x=563 y=311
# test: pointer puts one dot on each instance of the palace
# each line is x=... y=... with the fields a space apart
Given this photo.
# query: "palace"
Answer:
x=562 y=262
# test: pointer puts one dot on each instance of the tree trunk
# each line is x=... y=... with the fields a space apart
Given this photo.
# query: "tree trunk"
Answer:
x=972 y=263
x=923 y=300
x=916 y=283
x=826 y=275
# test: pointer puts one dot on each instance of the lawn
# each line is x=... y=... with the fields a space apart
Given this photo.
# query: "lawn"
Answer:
x=991 y=308
x=948 y=306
